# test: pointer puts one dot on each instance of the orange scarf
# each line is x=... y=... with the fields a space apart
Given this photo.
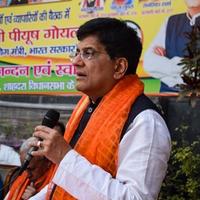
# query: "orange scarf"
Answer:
x=100 y=139
x=20 y=184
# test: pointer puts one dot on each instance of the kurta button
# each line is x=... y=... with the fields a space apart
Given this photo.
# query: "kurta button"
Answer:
x=90 y=109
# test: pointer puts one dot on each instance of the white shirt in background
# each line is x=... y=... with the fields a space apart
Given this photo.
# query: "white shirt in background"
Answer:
x=8 y=156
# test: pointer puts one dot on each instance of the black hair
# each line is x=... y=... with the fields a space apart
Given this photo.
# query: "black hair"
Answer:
x=119 y=39
x=61 y=126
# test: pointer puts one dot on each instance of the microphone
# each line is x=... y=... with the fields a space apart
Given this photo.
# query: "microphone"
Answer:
x=50 y=120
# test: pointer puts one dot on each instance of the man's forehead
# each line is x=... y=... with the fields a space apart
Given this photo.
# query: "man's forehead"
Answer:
x=90 y=42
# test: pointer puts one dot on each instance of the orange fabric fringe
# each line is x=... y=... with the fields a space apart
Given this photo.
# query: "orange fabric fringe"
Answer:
x=20 y=184
x=100 y=139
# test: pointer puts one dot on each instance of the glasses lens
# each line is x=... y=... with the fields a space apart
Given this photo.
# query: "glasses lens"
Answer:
x=88 y=54
x=72 y=55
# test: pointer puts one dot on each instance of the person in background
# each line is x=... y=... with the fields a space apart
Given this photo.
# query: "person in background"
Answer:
x=44 y=1
x=148 y=0
x=8 y=156
x=1 y=186
x=17 y=2
x=36 y=176
x=168 y=48
x=10 y=160
x=2 y=3
x=116 y=144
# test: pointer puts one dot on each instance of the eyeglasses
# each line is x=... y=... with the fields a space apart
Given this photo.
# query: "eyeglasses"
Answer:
x=85 y=54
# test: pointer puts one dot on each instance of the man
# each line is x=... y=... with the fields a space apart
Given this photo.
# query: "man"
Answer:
x=103 y=156
x=148 y=0
x=169 y=47
x=2 y=3
x=16 y=2
x=37 y=174
x=91 y=3
x=1 y=186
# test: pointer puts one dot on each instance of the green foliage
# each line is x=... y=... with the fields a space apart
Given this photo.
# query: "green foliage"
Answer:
x=191 y=67
x=182 y=181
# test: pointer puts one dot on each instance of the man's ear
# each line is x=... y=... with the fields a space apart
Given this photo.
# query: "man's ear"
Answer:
x=121 y=66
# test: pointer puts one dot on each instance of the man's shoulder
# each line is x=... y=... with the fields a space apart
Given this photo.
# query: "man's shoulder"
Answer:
x=180 y=16
x=179 y=19
x=142 y=103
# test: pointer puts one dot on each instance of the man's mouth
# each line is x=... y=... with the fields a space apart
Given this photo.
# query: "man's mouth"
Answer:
x=80 y=75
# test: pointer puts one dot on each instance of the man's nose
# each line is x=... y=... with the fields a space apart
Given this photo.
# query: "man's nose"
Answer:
x=77 y=62
x=77 y=59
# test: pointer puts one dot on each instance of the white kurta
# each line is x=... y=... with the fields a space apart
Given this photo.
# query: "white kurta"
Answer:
x=143 y=155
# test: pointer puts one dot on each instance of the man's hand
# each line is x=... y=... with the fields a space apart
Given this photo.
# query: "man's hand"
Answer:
x=29 y=191
x=159 y=51
x=52 y=144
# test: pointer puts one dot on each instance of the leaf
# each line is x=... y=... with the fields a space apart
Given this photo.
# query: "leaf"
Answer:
x=190 y=72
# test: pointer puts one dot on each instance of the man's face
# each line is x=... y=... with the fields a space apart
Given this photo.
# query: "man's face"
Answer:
x=95 y=74
x=192 y=3
x=37 y=166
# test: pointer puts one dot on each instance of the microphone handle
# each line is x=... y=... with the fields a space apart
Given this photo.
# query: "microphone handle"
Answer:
x=27 y=160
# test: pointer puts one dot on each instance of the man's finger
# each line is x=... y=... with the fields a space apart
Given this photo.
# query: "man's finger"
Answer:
x=40 y=134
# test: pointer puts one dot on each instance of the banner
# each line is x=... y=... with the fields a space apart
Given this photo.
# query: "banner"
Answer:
x=37 y=38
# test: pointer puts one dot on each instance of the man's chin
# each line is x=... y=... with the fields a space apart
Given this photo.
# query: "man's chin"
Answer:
x=80 y=87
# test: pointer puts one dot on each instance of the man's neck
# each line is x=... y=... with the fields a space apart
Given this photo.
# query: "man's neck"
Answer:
x=95 y=100
x=193 y=11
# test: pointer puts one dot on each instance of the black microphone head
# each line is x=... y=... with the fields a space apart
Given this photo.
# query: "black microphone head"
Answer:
x=51 y=118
